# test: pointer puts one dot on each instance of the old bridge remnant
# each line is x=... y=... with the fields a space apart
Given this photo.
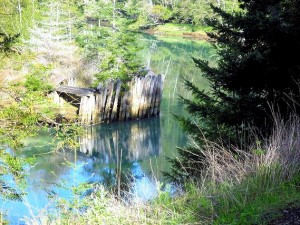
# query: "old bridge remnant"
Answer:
x=112 y=101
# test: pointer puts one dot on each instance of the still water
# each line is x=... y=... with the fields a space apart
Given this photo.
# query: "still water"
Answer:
x=141 y=146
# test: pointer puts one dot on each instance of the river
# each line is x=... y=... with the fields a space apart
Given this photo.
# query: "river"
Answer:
x=141 y=145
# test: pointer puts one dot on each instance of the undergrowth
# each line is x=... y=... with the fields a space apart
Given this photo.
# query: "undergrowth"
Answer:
x=238 y=187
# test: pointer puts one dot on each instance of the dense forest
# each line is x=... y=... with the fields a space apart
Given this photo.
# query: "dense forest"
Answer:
x=241 y=163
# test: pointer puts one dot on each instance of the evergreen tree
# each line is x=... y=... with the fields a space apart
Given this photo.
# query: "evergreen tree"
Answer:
x=107 y=40
x=257 y=73
x=6 y=42
x=257 y=68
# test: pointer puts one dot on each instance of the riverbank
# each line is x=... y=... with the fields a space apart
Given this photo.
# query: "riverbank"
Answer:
x=180 y=30
x=241 y=188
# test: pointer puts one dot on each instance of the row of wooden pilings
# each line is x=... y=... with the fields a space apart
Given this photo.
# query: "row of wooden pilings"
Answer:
x=113 y=100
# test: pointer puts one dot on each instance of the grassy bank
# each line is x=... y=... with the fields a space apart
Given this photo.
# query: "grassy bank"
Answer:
x=181 y=30
x=236 y=188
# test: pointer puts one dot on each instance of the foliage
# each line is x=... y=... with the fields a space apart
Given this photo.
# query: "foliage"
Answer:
x=6 y=42
x=246 y=203
x=66 y=136
x=145 y=14
x=19 y=117
x=251 y=201
x=255 y=70
x=119 y=57
x=25 y=109
x=12 y=117
x=151 y=13
x=107 y=40
x=196 y=11
x=159 y=14
x=236 y=188
x=14 y=166
x=244 y=186
x=17 y=16
x=36 y=81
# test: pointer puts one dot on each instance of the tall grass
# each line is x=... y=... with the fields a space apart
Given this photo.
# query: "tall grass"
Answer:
x=247 y=184
x=278 y=155
x=237 y=187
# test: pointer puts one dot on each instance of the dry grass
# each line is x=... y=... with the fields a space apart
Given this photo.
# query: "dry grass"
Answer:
x=236 y=188
x=104 y=208
x=282 y=148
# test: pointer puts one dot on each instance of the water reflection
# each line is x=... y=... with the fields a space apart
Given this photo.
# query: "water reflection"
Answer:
x=140 y=147
x=144 y=187
x=114 y=150
x=137 y=140
x=101 y=149
x=172 y=56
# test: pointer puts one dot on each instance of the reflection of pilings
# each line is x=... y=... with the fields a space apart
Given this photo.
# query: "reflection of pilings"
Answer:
x=137 y=140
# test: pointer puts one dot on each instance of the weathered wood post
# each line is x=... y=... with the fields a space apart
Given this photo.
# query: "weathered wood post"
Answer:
x=115 y=102
x=109 y=103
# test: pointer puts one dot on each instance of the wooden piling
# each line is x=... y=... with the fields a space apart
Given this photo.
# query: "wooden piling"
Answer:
x=109 y=103
x=114 y=113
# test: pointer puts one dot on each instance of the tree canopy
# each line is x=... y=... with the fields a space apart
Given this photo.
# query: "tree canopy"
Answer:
x=257 y=68
x=257 y=76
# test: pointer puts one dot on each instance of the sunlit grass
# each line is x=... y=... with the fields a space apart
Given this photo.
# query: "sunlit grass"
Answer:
x=193 y=31
x=238 y=187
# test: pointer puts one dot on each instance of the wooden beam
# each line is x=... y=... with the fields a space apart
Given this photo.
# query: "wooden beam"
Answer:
x=75 y=90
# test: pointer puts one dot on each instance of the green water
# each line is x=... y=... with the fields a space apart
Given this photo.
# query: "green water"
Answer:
x=141 y=145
